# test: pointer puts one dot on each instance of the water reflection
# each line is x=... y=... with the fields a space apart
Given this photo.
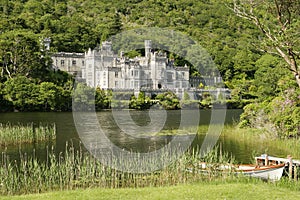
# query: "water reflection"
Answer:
x=66 y=131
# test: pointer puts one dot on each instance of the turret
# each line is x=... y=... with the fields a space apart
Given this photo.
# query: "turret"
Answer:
x=148 y=46
x=106 y=45
x=47 y=42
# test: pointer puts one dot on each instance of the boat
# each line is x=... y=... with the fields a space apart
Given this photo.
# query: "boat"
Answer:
x=292 y=166
x=268 y=172
x=265 y=158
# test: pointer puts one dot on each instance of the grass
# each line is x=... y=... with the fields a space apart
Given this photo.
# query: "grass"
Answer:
x=76 y=169
x=30 y=133
x=255 y=137
x=202 y=190
x=76 y=174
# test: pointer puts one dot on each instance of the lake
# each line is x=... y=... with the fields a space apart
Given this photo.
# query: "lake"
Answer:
x=66 y=132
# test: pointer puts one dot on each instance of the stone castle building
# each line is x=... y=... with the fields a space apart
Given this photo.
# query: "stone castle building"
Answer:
x=153 y=73
x=102 y=68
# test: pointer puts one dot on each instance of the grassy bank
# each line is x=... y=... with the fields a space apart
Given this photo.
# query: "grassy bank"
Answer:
x=250 y=138
x=268 y=142
x=76 y=169
x=203 y=190
x=30 y=133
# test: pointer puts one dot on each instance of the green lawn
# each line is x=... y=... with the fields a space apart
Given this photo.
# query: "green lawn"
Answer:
x=192 y=191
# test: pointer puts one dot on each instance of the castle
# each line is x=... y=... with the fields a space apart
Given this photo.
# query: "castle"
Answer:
x=102 y=68
x=153 y=73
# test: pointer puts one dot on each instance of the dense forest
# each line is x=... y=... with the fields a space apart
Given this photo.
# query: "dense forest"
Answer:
x=260 y=80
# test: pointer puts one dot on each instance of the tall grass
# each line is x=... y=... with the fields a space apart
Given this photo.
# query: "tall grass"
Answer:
x=30 y=133
x=75 y=168
x=261 y=138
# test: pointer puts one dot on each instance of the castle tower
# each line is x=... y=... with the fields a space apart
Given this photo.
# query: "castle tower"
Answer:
x=148 y=46
x=106 y=45
x=47 y=42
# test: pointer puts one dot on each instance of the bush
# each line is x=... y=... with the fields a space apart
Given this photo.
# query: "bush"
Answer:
x=280 y=116
x=168 y=101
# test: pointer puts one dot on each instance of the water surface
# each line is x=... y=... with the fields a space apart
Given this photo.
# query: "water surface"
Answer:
x=66 y=132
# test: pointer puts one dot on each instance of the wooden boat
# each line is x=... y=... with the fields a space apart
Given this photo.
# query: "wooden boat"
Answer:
x=292 y=166
x=269 y=172
x=265 y=158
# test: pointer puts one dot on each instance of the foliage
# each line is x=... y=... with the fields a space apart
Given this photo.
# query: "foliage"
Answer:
x=31 y=133
x=22 y=93
x=279 y=116
x=21 y=55
x=206 y=100
x=168 y=100
x=84 y=98
x=27 y=95
x=102 y=99
x=142 y=102
x=279 y=23
x=74 y=26
x=76 y=169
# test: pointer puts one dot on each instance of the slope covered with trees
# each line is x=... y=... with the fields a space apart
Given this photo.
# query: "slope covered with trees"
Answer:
x=235 y=44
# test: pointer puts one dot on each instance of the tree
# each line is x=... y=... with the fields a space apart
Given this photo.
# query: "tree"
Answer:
x=101 y=99
x=22 y=93
x=168 y=100
x=84 y=98
x=279 y=22
x=142 y=102
x=20 y=54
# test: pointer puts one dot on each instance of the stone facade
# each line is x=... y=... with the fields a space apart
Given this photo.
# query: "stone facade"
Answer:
x=72 y=63
x=152 y=73
x=102 y=68
x=107 y=70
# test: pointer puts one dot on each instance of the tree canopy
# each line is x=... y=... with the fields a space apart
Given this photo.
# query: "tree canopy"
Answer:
x=279 y=21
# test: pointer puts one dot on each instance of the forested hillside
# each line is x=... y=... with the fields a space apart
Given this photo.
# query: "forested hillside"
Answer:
x=253 y=75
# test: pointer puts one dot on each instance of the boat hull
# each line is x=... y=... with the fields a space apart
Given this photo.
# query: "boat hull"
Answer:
x=273 y=173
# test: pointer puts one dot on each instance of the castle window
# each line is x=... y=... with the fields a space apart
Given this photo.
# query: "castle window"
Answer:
x=73 y=62
x=136 y=84
x=116 y=74
x=62 y=62
x=169 y=76
x=83 y=63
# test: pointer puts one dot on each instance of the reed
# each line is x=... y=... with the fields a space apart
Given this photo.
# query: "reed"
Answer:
x=75 y=168
x=255 y=137
x=30 y=133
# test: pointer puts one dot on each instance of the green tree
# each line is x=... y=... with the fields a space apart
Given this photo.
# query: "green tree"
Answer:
x=84 y=98
x=101 y=99
x=168 y=100
x=142 y=102
x=50 y=96
x=21 y=55
x=279 y=23
x=22 y=93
